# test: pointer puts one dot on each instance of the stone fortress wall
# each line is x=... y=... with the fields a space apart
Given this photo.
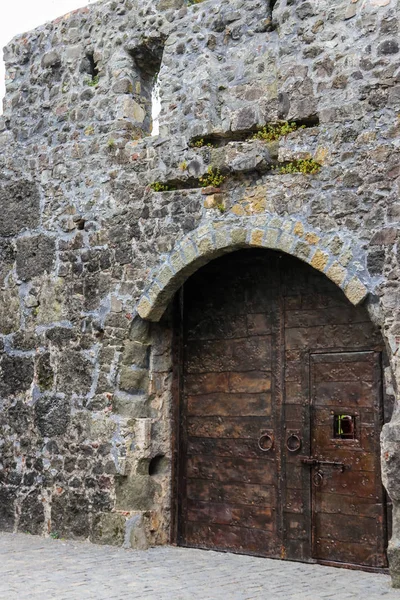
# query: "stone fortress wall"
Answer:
x=91 y=255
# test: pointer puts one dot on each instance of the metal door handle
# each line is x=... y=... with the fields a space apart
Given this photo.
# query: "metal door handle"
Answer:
x=266 y=442
x=315 y=462
x=293 y=442
x=309 y=460
x=318 y=478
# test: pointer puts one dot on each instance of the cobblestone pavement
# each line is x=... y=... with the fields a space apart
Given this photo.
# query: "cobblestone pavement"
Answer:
x=32 y=567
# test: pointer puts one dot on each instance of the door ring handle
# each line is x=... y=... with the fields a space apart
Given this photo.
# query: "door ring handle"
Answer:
x=293 y=443
x=318 y=478
x=266 y=442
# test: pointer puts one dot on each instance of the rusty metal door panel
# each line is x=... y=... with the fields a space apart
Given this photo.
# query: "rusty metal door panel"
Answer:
x=245 y=516
x=228 y=427
x=232 y=470
x=356 y=554
x=329 y=393
x=333 y=504
x=207 y=356
x=228 y=537
x=230 y=405
x=345 y=434
x=231 y=493
x=241 y=448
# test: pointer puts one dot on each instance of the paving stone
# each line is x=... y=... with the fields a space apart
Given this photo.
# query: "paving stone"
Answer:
x=36 y=568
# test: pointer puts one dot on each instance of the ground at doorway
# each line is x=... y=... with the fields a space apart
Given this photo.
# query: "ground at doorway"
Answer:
x=36 y=568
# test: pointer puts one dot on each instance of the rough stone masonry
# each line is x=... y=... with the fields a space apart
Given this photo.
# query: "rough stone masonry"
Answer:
x=91 y=254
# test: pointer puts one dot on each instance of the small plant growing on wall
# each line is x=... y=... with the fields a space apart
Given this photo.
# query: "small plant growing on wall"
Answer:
x=89 y=130
x=200 y=144
x=306 y=166
x=92 y=82
x=273 y=131
x=157 y=186
x=213 y=178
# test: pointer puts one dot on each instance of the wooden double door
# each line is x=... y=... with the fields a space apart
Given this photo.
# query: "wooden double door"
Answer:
x=280 y=414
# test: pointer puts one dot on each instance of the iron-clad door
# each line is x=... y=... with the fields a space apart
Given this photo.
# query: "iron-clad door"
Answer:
x=347 y=500
x=230 y=475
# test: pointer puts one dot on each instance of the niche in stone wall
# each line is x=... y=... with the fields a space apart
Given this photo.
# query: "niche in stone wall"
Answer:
x=147 y=58
x=89 y=66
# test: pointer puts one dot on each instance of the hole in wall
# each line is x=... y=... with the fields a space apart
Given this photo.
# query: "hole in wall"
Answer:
x=158 y=465
x=89 y=67
x=155 y=107
x=147 y=58
x=93 y=71
x=219 y=139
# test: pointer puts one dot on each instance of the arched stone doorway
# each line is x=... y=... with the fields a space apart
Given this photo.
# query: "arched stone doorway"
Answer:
x=281 y=403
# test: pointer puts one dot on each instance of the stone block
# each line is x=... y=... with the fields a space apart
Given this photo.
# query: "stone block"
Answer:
x=134 y=381
x=136 y=353
x=51 y=59
x=154 y=292
x=109 y=529
x=336 y=245
x=376 y=261
x=312 y=238
x=136 y=533
x=205 y=245
x=16 y=374
x=298 y=229
x=355 y=291
x=302 y=250
x=140 y=331
x=144 y=307
x=70 y=515
x=75 y=373
x=32 y=519
x=176 y=261
x=132 y=110
x=256 y=237
x=131 y=406
x=221 y=237
x=271 y=238
x=189 y=252
x=135 y=493
x=385 y=237
x=346 y=257
x=238 y=235
x=214 y=201
x=51 y=301
x=9 y=310
x=45 y=375
x=285 y=242
x=319 y=260
x=164 y=275
x=337 y=273
x=238 y=210
x=20 y=207
x=52 y=415
x=61 y=336
x=7 y=509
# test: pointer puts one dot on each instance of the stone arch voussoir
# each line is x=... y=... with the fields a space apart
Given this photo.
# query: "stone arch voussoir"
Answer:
x=341 y=261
